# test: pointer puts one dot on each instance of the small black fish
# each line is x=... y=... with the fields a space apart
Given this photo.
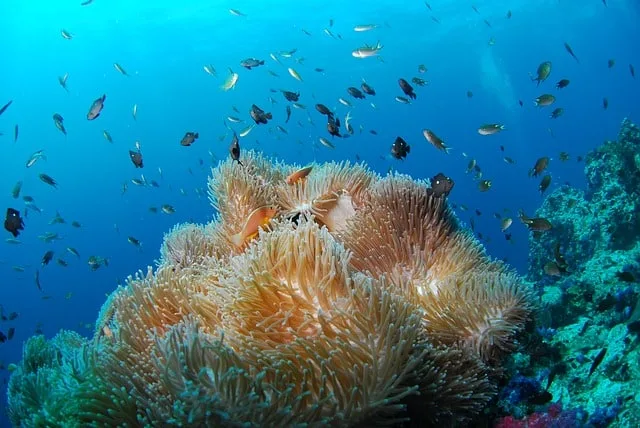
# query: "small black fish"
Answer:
x=556 y=113
x=333 y=127
x=96 y=108
x=631 y=70
x=597 y=360
x=400 y=149
x=45 y=261
x=563 y=83
x=13 y=222
x=441 y=185
x=288 y=114
x=48 y=180
x=407 y=88
x=355 y=93
x=5 y=107
x=568 y=49
x=324 y=110
x=189 y=138
x=259 y=116
x=37 y=274
x=291 y=96
x=136 y=158
x=250 y=63
x=544 y=183
x=234 y=149
x=3 y=338
x=59 y=122
x=10 y=333
x=367 y=89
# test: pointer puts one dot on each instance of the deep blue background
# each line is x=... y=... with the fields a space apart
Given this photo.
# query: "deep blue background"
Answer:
x=164 y=45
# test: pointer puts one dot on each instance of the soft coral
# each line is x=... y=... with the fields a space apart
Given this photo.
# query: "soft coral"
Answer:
x=554 y=417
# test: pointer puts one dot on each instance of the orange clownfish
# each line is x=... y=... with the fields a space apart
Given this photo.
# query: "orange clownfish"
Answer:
x=298 y=175
x=258 y=218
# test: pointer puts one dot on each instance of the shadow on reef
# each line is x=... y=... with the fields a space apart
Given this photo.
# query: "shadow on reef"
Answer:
x=582 y=361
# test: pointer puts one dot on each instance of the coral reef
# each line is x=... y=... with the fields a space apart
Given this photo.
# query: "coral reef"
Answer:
x=586 y=340
x=605 y=217
x=353 y=300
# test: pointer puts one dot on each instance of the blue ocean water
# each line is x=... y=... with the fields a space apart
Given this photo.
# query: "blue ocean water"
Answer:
x=163 y=46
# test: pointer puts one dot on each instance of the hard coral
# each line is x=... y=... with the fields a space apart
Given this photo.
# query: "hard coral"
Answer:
x=362 y=303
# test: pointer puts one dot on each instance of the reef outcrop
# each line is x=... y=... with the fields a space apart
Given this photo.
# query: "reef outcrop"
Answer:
x=587 y=332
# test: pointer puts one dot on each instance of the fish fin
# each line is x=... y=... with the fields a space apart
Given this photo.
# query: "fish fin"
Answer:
x=104 y=97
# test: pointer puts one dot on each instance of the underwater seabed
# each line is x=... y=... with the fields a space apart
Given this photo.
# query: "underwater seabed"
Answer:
x=345 y=298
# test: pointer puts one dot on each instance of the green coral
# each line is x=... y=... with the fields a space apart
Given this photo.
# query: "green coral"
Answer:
x=42 y=387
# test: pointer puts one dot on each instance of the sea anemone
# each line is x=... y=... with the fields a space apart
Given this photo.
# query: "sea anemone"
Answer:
x=480 y=311
x=188 y=245
x=360 y=301
x=413 y=239
x=453 y=386
x=331 y=194
x=237 y=190
x=404 y=231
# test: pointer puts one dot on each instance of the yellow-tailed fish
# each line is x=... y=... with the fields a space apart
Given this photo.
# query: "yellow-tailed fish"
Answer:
x=294 y=74
x=326 y=143
x=120 y=70
x=231 y=81
x=210 y=69
x=298 y=175
x=366 y=27
x=247 y=130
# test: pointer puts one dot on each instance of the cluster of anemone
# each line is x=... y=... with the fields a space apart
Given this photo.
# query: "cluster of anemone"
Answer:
x=358 y=301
